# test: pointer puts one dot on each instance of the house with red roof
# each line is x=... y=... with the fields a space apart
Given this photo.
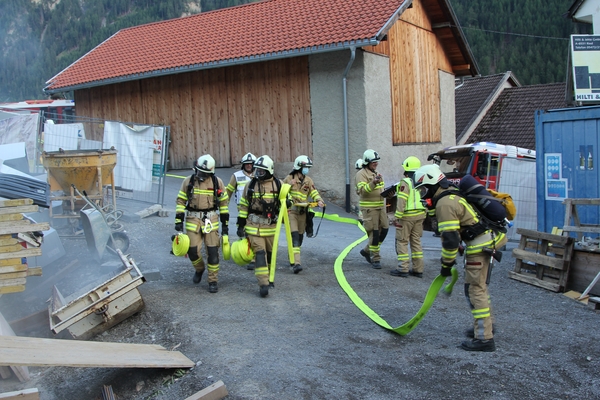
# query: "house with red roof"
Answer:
x=324 y=78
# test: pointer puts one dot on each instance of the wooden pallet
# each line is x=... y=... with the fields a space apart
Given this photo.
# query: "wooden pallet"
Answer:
x=543 y=259
x=16 y=243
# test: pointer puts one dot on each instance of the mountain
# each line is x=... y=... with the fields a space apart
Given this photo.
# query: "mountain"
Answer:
x=528 y=37
x=42 y=37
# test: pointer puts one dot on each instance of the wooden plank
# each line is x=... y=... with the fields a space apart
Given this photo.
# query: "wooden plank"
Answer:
x=18 y=209
x=10 y=217
x=149 y=211
x=216 y=391
x=26 y=351
x=11 y=261
x=532 y=280
x=13 y=268
x=16 y=202
x=556 y=239
x=12 y=282
x=22 y=253
x=14 y=227
x=25 y=394
x=11 y=248
x=12 y=289
x=556 y=263
x=36 y=271
x=5 y=241
x=21 y=372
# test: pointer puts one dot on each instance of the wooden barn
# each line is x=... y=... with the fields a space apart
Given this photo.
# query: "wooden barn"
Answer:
x=324 y=78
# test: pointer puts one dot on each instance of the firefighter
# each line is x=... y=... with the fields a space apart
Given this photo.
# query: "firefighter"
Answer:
x=238 y=182
x=369 y=186
x=258 y=213
x=409 y=217
x=202 y=202
x=302 y=189
x=458 y=221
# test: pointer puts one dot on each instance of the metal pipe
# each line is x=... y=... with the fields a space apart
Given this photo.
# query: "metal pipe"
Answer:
x=346 y=138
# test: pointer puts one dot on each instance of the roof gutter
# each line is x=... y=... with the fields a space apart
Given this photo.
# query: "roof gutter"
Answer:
x=388 y=25
x=346 y=134
x=218 y=64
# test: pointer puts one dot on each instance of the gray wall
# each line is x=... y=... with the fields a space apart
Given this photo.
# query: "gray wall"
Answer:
x=369 y=120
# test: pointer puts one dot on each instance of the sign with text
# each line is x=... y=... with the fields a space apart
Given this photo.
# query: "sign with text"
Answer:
x=585 y=53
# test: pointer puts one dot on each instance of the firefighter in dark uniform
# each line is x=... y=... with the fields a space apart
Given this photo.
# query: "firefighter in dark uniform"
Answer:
x=369 y=186
x=458 y=221
x=202 y=203
x=409 y=217
x=257 y=218
x=302 y=189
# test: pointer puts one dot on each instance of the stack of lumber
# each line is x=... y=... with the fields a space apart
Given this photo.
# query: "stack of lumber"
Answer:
x=17 y=242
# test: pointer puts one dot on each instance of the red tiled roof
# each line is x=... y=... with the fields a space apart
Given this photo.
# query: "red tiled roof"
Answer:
x=271 y=28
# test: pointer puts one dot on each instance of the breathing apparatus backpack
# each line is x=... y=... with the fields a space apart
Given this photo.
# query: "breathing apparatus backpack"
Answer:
x=269 y=209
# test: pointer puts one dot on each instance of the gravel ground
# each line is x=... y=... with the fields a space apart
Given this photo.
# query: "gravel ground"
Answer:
x=307 y=340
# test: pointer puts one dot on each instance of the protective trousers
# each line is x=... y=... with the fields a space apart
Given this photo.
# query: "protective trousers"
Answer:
x=410 y=231
x=376 y=224
x=297 y=227
x=212 y=242
x=262 y=247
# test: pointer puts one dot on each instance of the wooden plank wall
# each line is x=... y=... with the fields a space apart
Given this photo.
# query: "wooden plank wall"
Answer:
x=263 y=108
x=416 y=55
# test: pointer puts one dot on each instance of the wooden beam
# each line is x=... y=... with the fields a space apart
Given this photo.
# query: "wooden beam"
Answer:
x=18 y=209
x=18 y=227
x=22 y=253
x=27 y=351
x=16 y=202
x=216 y=391
x=26 y=394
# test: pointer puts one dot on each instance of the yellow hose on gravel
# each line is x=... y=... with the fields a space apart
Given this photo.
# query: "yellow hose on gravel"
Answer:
x=411 y=324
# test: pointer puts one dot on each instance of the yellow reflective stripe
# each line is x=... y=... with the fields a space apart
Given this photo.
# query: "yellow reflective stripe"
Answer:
x=412 y=213
x=469 y=208
x=182 y=195
x=403 y=257
x=315 y=195
x=360 y=185
x=224 y=209
x=481 y=313
x=371 y=204
x=251 y=230
x=449 y=253
x=212 y=267
x=296 y=250
x=230 y=188
x=451 y=225
x=179 y=208
x=261 y=271
x=190 y=226
x=402 y=195
x=417 y=254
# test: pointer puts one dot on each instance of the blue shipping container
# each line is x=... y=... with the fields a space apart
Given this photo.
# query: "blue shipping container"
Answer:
x=567 y=164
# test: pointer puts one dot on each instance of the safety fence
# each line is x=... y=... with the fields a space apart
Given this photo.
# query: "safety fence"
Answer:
x=141 y=152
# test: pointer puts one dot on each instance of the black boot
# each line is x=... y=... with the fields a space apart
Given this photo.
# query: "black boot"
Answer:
x=197 y=277
x=264 y=291
x=297 y=268
x=213 y=287
x=366 y=255
x=398 y=272
x=250 y=266
x=479 y=345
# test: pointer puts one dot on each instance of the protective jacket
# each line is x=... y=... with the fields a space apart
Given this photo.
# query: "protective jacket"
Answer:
x=408 y=200
x=302 y=189
x=369 y=192
x=237 y=183
x=455 y=214
x=260 y=206
x=200 y=202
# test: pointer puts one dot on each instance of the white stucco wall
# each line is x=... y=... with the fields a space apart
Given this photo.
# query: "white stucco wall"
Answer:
x=369 y=118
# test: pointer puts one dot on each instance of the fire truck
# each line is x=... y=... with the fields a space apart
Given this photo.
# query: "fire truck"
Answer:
x=484 y=160
x=508 y=169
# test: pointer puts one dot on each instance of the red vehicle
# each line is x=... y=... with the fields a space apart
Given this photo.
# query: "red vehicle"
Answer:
x=483 y=160
x=60 y=111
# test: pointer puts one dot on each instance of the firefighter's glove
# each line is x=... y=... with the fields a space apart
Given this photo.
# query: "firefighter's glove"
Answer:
x=288 y=203
x=224 y=224
x=179 y=222
x=446 y=269
x=241 y=223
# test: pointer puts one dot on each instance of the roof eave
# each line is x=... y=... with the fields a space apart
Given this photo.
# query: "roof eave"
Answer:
x=222 y=63
x=390 y=22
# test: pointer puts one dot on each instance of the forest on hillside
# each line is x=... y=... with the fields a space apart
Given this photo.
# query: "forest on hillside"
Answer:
x=42 y=37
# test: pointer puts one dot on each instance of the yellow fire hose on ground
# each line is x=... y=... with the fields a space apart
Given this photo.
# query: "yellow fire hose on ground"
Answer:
x=283 y=218
x=411 y=324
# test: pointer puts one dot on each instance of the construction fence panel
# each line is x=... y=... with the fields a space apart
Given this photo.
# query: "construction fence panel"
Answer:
x=139 y=174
